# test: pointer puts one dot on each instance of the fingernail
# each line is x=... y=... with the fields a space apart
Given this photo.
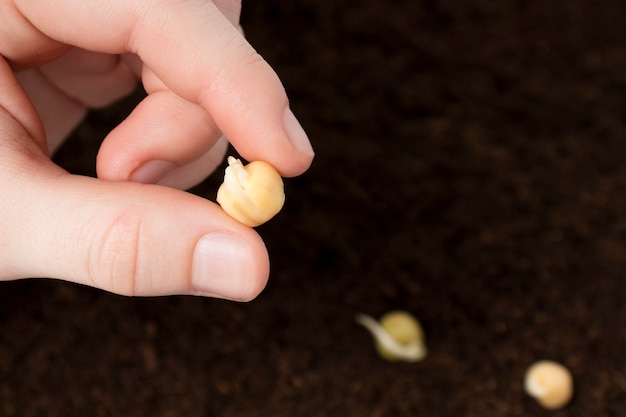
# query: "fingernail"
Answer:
x=297 y=136
x=152 y=172
x=222 y=266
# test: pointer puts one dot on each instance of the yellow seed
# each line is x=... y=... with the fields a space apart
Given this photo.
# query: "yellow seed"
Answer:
x=403 y=328
x=398 y=336
x=550 y=383
x=251 y=194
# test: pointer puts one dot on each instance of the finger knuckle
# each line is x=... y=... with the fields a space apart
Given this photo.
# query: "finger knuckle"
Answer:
x=114 y=255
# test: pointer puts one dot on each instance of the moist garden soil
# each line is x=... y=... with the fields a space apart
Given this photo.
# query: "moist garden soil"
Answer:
x=470 y=169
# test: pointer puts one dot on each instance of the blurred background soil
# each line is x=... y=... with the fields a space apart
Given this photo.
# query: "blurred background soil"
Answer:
x=470 y=169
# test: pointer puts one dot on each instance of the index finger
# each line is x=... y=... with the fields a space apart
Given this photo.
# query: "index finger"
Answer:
x=197 y=53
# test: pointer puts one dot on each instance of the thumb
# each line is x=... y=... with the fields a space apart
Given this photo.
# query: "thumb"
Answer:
x=126 y=238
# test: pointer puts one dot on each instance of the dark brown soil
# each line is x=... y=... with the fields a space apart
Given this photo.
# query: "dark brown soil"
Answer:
x=470 y=169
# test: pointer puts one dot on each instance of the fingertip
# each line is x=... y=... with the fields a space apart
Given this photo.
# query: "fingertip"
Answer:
x=297 y=136
x=161 y=137
x=230 y=266
x=289 y=150
x=300 y=143
x=152 y=171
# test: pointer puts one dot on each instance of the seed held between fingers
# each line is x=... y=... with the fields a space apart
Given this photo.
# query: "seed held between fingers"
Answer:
x=251 y=194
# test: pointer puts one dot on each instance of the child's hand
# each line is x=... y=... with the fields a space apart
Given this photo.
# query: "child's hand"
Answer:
x=59 y=58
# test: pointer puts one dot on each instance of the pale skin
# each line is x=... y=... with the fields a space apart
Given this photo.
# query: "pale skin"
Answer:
x=120 y=232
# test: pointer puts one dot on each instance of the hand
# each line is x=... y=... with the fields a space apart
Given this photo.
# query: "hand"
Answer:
x=120 y=233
